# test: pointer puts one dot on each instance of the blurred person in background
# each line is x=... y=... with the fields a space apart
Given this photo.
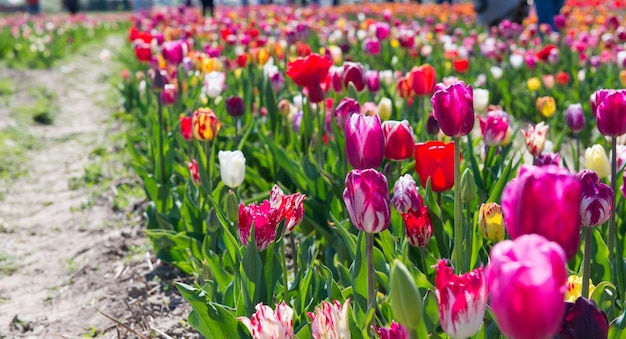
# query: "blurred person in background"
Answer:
x=32 y=7
x=547 y=9
x=71 y=6
x=207 y=4
x=492 y=12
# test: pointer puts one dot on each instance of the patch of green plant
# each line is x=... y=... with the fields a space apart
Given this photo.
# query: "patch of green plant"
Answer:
x=6 y=87
x=8 y=265
x=14 y=142
x=41 y=110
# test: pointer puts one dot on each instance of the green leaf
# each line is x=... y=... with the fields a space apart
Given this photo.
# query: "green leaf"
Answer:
x=252 y=264
x=430 y=311
x=348 y=238
x=618 y=327
x=600 y=266
x=358 y=272
x=505 y=177
x=604 y=295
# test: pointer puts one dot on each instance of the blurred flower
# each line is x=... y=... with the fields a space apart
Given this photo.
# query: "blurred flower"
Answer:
x=462 y=300
x=406 y=301
x=597 y=199
x=491 y=221
x=105 y=55
x=354 y=73
x=548 y=81
x=371 y=46
x=546 y=106
x=496 y=72
x=330 y=320
x=186 y=127
x=365 y=141
x=235 y=106
x=372 y=80
x=494 y=127
x=405 y=195
x=611 y=112
x=422 y=80
x=232 y=167
x=369 y=109
x=344 y=111
x=432 y=126
x=435 y=160
x=174 y=51
x=575 y=118
x=265 y=220
x=384 y=109
x=562 y=78
x=481 y=99
x=399 y=140
x=583 y=319
x=621 y=156
x=214 y=83
x=541 y=200
x=529 y=269
x=381 y=30
x=194 y=173
x=169 y=94
x=266 y=323
x=205 y=124
x=597 y=161
x=516 y=60
x=417 y=226
x=367 y=199
x=309 y=72
x=143 y=52
x=461 y=65
x=547 y=158
x=575 y=288
x=454 y=109
x=533 y=84
x=394 y=331
x=291 y=207
x=536 y=138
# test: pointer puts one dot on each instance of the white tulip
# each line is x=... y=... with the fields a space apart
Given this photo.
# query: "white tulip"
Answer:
x=516 y=60
x=481 y=99
x=214 y=83
x=621 y=56
x=496 y=72
x=232 y=167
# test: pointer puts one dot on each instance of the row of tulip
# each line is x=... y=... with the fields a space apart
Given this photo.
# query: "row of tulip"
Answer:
x=228 y=114
x=38 y=41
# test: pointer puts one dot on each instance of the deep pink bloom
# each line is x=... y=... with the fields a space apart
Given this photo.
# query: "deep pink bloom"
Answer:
x=265 y=219
x=365 y=141
x=382 y=30
x=545 y=159
x=454 y=108
x=583 y=319
x=371 y=46
x=291 y=207
x=529 y=270
x=266 y=323
x=611 y=113
x=462 y=300
x=596 y=202
x=399 y=140
x=373 y=81
x=575 y=117
x=394 y=331
x=186 y=127
x=367 y=199
x=542 y=200
x=405 y=195
x=344 y=111
x=169 y=94
x=354 y=73
x=417 y=226
x=494 y=127
x=174 y=51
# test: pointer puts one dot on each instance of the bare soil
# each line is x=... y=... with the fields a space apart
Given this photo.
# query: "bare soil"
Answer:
x=73 y=263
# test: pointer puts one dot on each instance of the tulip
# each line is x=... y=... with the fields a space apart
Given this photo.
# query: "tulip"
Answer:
x=536 y=138
x=596 y=203
x=545 y=159
x=384 y=109
x=365 y=141
x=562 y=78
x=418 y=227
x=186 y=127
x=291 y=207
x=620 y=156
x=232 y=167
x=265 y=220
x=399 y=140
x=541 y=200
x=597 y=161
x=546 y=106
x=462 y=300
x=432 y=126
x=266 y=323
x=174 y=51
x=516 y=60
x=435 y=160
x=353 y=73
x=369 y=109
x=394 y=331
x=367 y=199
x=575 y=118
x=583 y=319
x=461 y=65
x=169 y=94
x=194 y=173
x=309 y=72
x=371 y=46
x=330 y=320
x=422 y=80
x=214 y=83
x=611 y=113
x=491 y=221
x=481 y=99
x=496 y=72
x=235 y=106
x=548 y=81
x=344 y=111
x=405 y=195
x=529 y=270
x=574 y=288
x=382 y=30
x=468 y=186
x=143 y=52
x=494 y=127
x=534 y=84
x=454 y=109
x=373 y=81
x=406 y=301
x=205 y=124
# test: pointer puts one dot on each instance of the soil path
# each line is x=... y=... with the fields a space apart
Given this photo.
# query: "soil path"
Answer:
x=76 y=261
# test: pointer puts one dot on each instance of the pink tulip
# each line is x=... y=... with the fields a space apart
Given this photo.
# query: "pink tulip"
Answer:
x=545 y=159
x=175 y=51
x=529 y=270
x=330 y=320
x=596 y=202
x=365 y=141
x=367 y=199
x=266 y=323
x=454 y=108
x=575 y=118
x=194 y=173
x=405 y=195
x=344 y=111
x=394 y=331
x=371 y=46
x=399 y=140
x=373 y=81
x=265 y=219
x=354 y=73
x=494 y=127
x=291 y=207
x=382 y=30
x=541 y=200
x=611 y=112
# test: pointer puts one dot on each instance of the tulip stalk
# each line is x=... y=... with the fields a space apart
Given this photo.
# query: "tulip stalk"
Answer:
x=161 y=155
x=371 y=291
x=586 y=263
x=458 y=223
x=614 y=188
x=294 y=255
x=285 y=276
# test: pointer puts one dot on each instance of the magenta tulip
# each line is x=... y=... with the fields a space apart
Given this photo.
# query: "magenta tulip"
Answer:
x=527 y=271
x=382 y=30
x=405 y=195
x=623 y=189
x=174 y=51
x=454 y=108
x=575 y=118
x=367 y=199
x=344 y=111
x=394 y=331
x=373 y=81
x=265 y=220
x=399 y=140
x=169 y=94
x=596 y=202
x=541 y=200
x=371 y=46
x=354 y=73
x=545 y=159
x=462 y=300
x=611 y=113
x=494 y=127
x=365 y=141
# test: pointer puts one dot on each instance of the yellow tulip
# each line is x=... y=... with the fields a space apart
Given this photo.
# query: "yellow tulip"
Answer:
x=546 y=106
x=574 y=288
x=597 y=161
x=534 y=84
x=491 y=221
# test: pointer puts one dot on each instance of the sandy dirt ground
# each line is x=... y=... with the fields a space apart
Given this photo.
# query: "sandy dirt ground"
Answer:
x=79 y=266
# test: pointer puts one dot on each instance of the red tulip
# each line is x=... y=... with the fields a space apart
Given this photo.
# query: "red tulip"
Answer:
x=422 y=80
x=435 y=160
x=265 y=220
x=399 y=140
x=562 y=78
x=354 y=73
x=186 y=127
x=545 y=52
x=418 y=228
x=143 y=51
x=461 y=65
x=194 y=173
x=310 y=72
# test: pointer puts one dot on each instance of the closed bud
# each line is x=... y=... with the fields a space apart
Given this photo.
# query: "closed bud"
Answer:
x=491 y=221
x=468 y=186
x=597 y=161
x=232 y=206
x=406 y=301
x=158 y=81
x=432 y=126
x=212 y=223
x=384 y=109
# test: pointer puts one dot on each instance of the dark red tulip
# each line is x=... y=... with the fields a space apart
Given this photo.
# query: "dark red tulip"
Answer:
x=235 y=106
x=435 y=160
x=399 y=140
x=583 y=320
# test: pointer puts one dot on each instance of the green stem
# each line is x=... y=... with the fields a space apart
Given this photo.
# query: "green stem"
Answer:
x=577 y=159
x=614 y=188
x=371 y=290
x=285 y=277
x=457 y=257
x=586 y=262
x=161 y=155
x=423 y=260
x=294 y=256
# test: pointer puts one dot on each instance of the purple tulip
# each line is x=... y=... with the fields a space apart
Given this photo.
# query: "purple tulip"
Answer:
x=432 y=126
x=494 y=127
x=529 y=270
x=235 y=106
x=277 y=80
x=344 y=111
x=596 y=202
x=354 y=73
x=611 y=112
x=365 y=141
x=546 y=159
x=623 y=188
x=575 y=118
x=454 y=108
x=394 y=331
x=541 y=200
x=405 y=195
x=174 y=51
x=582 y=320
x=382 y=30
x=373 y=81
x=367 y=199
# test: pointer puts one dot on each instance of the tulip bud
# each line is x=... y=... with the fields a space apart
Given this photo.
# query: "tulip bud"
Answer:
x=610 y=115
x=235 y=106
x=194 y=173
x=232 y=206
x=575 y=118
x=354 y=73
x=212 y=223
x=367 y=199
x=418 y=227
x=365 y=141
x=384 y=109
x=232 y=167
x=596 y=202
x=186 y=127
x=494 y=127
x=205 y=124
x=158 y=81
x=454 y=109
x=432 y=126
x=399 y=140
x=491 y=221
x=405 y=195
x=406 y=301
x=468 y=186
x=536 y=138
x=597 y=161
x=546 y=106
x=481 y=99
